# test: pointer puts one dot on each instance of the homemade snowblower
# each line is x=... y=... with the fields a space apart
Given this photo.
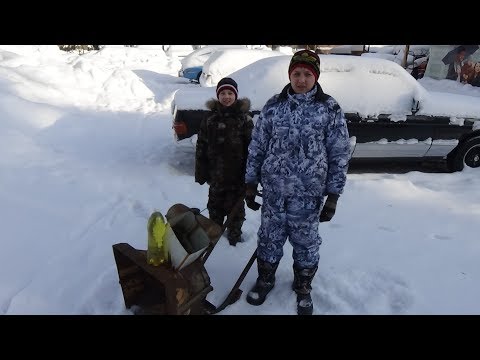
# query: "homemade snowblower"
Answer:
x=178 y=286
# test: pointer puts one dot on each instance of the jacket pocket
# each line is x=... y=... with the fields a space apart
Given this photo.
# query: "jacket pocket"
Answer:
x=280 y=137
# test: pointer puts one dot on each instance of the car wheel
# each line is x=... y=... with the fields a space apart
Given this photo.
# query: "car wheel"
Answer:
x=466 y=154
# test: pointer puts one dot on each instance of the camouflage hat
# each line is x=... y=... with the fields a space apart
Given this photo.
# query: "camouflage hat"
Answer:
x=307 y=59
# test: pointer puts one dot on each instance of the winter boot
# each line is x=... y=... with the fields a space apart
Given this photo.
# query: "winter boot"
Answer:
x=302 y=285
x=235 y=230
x=233 y=239
x=265 y=283
x=234 y=236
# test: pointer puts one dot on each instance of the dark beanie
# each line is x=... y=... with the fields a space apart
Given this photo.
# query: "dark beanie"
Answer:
x=227 y=83
x=307 y=59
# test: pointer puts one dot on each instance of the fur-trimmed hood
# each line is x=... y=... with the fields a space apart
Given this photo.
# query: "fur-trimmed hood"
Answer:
x=242 y=105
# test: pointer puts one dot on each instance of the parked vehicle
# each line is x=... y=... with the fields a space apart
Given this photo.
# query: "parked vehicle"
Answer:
x=226 y=61
x=191 y=73
x=179 y=51
x=192 y=64
x=390 y=115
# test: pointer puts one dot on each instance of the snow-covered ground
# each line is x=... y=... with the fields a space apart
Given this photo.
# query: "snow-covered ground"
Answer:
x=88 y=153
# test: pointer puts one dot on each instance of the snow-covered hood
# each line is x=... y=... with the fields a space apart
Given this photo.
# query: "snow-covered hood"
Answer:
x=451 y=105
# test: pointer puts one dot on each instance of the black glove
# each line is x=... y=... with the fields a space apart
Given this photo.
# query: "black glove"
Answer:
x=329 y=208
x=201 y=174
x=250 y=193
x=202 y=180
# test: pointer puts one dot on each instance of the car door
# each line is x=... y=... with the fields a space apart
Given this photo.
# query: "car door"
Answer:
x=378 y=98
x=383 y=137
x=447 y=134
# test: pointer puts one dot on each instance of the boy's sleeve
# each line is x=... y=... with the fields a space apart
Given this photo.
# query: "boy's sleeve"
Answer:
x=248 y=133
x=201 y=159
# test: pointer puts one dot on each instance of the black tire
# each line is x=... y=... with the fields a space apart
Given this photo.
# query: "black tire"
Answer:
x=466 y=154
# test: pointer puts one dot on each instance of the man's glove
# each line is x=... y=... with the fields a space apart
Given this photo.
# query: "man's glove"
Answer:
x=250 y=193
x=329 y=208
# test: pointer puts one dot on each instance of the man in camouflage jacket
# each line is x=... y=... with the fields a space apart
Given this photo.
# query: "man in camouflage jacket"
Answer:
x=299 y=153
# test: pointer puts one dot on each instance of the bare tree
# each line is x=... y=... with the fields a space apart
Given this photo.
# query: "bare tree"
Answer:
x=81 y=49
x=405 y=56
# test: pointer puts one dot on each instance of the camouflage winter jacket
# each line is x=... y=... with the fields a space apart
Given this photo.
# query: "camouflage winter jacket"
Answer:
x=300 y=145
x=222 y=144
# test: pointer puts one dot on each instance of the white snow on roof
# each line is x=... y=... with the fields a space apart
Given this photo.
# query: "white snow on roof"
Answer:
x=369 y=86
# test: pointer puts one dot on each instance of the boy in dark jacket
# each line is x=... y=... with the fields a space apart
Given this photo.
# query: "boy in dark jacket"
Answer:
x=221 y=155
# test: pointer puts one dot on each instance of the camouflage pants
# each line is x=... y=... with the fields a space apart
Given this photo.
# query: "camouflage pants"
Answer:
x=294 y=217
x=221 y=200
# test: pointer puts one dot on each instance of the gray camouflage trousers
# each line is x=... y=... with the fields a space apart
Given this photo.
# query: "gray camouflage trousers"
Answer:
x=295 y=218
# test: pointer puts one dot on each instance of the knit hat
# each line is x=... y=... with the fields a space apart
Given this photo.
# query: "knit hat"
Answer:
x=307 y=59
x=227 y=84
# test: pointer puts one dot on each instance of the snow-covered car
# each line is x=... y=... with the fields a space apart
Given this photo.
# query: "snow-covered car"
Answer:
x=178 y=51
x=224 y=62
x=396 y=53
x=390 y=115
x=192 y=64
x=192 y=73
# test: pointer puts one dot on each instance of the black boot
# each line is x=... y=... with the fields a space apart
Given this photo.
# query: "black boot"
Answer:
x=234 y=231
x=234 y=236
x=302 y=285
x=265 y=283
